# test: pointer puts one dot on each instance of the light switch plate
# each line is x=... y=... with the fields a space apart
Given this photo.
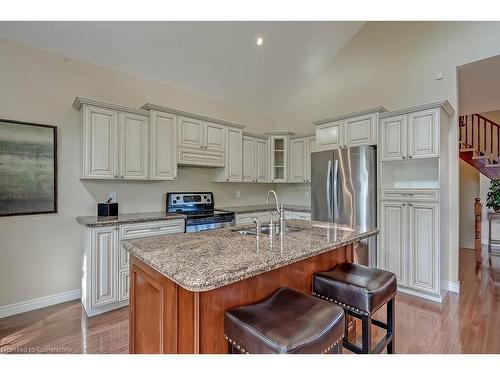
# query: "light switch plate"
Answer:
x=439 y=75
x=238 y=194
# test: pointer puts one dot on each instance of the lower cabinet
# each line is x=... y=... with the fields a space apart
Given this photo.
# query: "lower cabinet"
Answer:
x=247 y=218
x=409 y=244
x=105 y=270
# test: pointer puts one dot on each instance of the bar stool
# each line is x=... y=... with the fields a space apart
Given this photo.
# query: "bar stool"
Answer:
x=288 y=322
x=361 y=291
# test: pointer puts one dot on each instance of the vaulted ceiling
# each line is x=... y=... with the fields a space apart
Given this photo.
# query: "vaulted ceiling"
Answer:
x=216 y=59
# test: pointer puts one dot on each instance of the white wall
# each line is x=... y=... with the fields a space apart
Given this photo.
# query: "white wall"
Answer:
x=40 y=255
x=393 y=64
x=469 y=190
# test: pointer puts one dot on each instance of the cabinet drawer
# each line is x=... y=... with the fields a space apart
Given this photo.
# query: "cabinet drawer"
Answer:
x=413 y=195
x=156 y=228
x=248 y=217
x=202 y=158
x=301 y=215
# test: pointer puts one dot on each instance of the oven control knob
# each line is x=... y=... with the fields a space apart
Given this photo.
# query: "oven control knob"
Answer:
x=174 y=201
x=208 y=200
x=204 y=197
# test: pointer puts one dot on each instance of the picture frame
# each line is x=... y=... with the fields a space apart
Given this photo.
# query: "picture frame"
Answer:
x=28 y=168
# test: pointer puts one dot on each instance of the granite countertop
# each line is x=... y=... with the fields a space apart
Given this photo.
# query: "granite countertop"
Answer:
x=142 y=217
x=264 y=207
x=208 y=260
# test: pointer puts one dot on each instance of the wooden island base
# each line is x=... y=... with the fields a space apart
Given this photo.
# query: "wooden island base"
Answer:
x=166 y=318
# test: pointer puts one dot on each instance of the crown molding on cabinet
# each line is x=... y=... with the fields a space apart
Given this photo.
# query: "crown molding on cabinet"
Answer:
x=150 y=106
x=350 y=115
x=279 y=133
x=306 y=135
x=253 y=135
x=441 y=104
x=79 y=101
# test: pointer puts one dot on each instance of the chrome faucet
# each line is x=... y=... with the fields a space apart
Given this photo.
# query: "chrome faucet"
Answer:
x=258 y=225
x=279 y=209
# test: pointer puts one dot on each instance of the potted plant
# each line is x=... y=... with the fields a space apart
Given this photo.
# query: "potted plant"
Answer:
x=493 y=197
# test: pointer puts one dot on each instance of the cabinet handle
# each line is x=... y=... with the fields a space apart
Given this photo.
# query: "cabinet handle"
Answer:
x=409 y=157
x=404 y=204
x=409 y=204
x=404 y=157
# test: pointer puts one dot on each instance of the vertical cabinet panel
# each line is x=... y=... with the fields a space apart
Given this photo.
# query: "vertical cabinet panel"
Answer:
x=234 y=162
x=249 y=150
x=163 y=146
x=423 y=134
x=133 y=146
x=312 y=148
x=104 y=266
x=393 y=138
x=330 y=136
x=393 y=238
x=100 y=127
x=262 y=172
x=298 y=157
x=279 y=158
x=423 y=242
x=190 y=133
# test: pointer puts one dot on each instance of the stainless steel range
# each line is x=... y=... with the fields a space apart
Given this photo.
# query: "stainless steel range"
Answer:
x=200 y=212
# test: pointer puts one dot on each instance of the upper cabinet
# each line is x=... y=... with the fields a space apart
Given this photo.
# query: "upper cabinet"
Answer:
x=348 y=130
x=279 y=158
x=255 y=159
x=115 y=141
x=163 y=145
x=413 y=133
x=233 y=157
x=300 y=158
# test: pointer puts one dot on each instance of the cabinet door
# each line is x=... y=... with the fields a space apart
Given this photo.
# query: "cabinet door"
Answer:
x=361 y=130
x=163 y=146
x=262 y=160
x=423 y=246
x=393 y=138
x=213 y=137
x=100 y=134
x=134 y=151
x=104 y=264
x=311 y=149
x=190 y=133
x=393 y=239
x=249 y=146
x=124 y=283
x=234 y=155
x=330 y=136
x=279 y=159
x=423 y=134
x=298 y=151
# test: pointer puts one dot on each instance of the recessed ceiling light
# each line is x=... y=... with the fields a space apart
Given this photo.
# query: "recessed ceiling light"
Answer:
x=259 y=41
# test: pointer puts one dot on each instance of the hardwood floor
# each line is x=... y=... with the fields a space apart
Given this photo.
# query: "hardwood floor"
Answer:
x=465 y=323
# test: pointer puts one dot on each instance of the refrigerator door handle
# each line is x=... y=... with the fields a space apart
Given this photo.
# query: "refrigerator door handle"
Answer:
x=335 y=187
x=329 y=190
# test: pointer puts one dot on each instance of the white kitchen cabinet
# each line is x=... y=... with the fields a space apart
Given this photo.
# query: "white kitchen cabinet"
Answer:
x=200 y=143
x=423 y=246
x=233 y=157
x=163 y=146
x=279 y=158
x=330 y=136
x=409 y=244
x=410 y=136
x=105 y=270
x=115 y=141
x=134 y=146
x=361 y=130
x=247 y=218
x=255 y=159
x=100 y=138
x=300 y=158
x=301 y=215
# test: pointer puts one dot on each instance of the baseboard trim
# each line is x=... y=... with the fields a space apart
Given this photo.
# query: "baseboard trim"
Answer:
x=38 y=303
x=454 y=287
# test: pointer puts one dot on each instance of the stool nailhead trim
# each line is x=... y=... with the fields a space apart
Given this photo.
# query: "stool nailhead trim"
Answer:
x=341 y=304
x=242 y=350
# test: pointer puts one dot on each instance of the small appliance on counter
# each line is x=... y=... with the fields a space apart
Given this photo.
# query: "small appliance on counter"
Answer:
x=107 y=208
x=199 y=209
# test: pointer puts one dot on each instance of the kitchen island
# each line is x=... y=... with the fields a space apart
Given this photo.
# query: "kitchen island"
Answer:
x=181 y=284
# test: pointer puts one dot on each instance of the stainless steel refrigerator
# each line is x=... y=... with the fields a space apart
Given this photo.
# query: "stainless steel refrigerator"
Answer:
x=344 y=191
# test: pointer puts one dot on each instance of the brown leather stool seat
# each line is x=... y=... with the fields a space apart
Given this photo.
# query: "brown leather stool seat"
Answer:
x=361 y=291
x=286 y=322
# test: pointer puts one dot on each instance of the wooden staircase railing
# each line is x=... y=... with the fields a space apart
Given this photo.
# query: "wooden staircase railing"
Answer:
x=480 y=143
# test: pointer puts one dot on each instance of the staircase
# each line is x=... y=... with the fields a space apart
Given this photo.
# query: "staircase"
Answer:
x=480 y=144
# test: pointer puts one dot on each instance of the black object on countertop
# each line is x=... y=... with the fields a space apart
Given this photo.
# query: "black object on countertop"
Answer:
x=107 y=209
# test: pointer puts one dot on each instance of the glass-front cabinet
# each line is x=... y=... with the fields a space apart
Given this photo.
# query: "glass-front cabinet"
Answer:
x=279 y=158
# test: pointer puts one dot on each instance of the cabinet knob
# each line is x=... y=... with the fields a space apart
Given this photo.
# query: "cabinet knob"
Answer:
x=404 y=204
x=409 y=157
x=409 y=204
x=404 y=157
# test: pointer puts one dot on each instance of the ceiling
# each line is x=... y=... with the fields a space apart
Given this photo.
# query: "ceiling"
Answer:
x=215 y=59
x=479 y=86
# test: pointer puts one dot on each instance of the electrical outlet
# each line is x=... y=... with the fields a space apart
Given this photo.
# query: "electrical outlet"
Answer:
x=439 y=75
x=112 y=195
x=238 y=194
